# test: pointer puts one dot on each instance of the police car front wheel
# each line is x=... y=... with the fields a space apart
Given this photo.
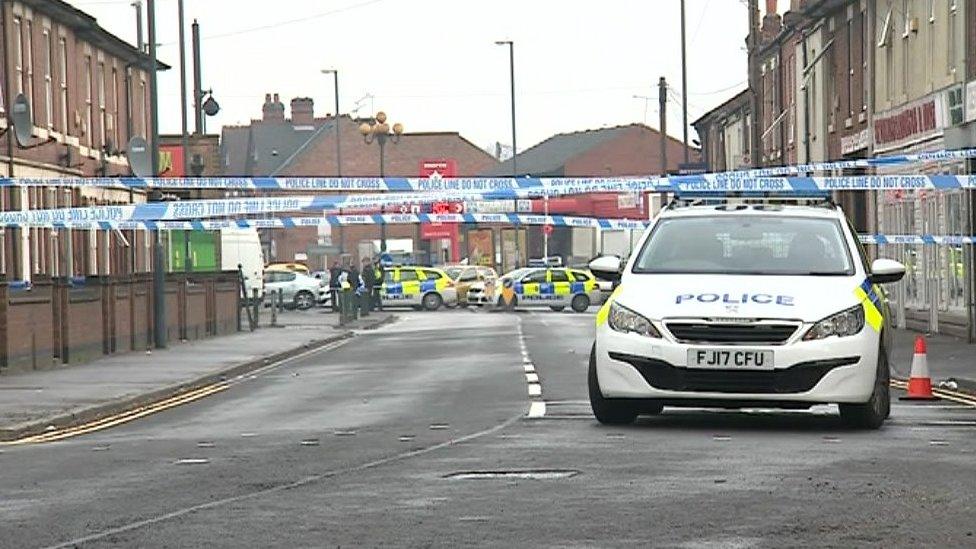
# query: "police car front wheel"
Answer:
x=872 y=414
x=609 y=411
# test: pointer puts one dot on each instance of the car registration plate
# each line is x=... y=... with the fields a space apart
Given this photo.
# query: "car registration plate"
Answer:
x=732 y=359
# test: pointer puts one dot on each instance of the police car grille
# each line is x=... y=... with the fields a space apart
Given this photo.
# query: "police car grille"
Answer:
x=798 y=378
x=703 y=332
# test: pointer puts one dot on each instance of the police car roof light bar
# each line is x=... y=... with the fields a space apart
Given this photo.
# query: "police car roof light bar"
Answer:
x=819 y=200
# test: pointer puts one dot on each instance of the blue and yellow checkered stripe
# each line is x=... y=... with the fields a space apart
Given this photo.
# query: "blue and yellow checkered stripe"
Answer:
x=870 y=296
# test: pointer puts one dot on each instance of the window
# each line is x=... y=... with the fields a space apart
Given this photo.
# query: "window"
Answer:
x=143 y=109
x=63 y=78
x=29 y=57
x=951 y=36
x=468 y=275
x=19 y=53
x=48 y=79
x=408 y=275
x=102 y=112
x=906 y=14
x=884 y=36
x=865 y=56
x=905 y=72
x=535 y=277
x=748 y=246
x=115 y=107
x=957 y=106
x=850 y=67
x=580 y=277
x=558 y=275
x=89 y=107
x=431 y=275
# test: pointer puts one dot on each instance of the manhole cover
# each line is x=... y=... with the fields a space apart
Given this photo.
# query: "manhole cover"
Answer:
x=542 y=474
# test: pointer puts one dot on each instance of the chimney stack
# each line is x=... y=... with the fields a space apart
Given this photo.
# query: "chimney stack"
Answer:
x=302 y=111
x=273 y=110
x=772 y=23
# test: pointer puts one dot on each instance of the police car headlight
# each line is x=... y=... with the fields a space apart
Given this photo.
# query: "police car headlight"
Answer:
x=845 y=323
x=622 y=319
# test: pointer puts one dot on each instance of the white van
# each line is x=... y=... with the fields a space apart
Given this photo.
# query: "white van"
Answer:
x=241 y=248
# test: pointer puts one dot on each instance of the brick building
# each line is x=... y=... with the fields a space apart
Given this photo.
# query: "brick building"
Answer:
x=725 y=134
x=67 y=296
x=304 y=145
x=876 y=77
x=88 y=93
x=631 y=150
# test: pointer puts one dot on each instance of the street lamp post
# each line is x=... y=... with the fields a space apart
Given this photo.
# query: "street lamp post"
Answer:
x=379 y=132
x=511 y=81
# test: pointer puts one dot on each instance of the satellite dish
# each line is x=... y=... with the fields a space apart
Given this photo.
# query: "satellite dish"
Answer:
x=140 y=161
x=211 y=107
x=23 y=121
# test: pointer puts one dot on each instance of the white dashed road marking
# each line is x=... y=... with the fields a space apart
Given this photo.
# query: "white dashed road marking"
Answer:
x=537 y=408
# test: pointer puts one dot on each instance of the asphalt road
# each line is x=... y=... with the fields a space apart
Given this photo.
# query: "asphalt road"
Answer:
x=395 y=438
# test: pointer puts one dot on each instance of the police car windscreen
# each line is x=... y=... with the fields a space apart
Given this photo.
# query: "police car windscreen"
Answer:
x=747 y=245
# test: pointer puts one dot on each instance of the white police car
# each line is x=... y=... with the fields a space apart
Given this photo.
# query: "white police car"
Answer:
x=744 y=305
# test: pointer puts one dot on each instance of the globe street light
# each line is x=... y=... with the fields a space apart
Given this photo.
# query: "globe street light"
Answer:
x=379 y=132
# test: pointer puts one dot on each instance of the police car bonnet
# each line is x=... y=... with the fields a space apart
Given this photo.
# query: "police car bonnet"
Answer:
x=794 y=297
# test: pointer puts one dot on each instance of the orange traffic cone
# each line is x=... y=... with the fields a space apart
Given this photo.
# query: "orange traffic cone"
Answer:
x=919 y=382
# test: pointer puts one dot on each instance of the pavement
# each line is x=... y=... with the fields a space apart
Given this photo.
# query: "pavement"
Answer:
x=428 y=432
x=42 y=401
x=949 y=358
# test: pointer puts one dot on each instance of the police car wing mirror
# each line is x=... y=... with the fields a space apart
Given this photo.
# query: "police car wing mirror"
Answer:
x=607 y=267
x=886 y=271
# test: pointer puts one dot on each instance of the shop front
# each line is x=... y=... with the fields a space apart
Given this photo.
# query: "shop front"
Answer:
x=935 y=295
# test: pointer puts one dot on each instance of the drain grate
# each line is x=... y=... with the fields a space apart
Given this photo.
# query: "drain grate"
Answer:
x=537 y=474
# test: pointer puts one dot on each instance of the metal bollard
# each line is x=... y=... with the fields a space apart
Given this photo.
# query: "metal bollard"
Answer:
x=255 y=308
x=274 y=308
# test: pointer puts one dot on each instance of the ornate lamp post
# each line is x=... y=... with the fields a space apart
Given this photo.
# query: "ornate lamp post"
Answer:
x=379 y=132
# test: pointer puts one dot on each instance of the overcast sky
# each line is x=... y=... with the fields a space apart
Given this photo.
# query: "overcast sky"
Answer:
x=433 y=64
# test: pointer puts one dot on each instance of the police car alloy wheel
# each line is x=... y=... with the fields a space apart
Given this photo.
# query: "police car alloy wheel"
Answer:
x=614 y=411
x=747 y=305
x=872 y=414
x=580 y=303
x=432 y=301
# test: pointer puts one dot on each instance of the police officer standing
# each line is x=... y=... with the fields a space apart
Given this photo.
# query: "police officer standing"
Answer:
x=379 y=274
x=369 y=284
x=334 y=285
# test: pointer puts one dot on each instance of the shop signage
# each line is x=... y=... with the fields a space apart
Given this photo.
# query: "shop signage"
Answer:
x=909 y=124
x=856 y=142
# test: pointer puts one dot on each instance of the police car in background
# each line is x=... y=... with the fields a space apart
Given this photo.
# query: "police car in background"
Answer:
x=541 y=287
x=744 y=305
x=418 y=287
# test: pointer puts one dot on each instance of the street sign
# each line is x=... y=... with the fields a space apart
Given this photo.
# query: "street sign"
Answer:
x=547 y=229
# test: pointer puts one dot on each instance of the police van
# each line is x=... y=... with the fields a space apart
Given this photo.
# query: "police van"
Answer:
x=541 y=287
x=418 y=287
x=744 y=304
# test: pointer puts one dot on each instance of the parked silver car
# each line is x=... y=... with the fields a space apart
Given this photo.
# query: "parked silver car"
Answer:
x=298 y=290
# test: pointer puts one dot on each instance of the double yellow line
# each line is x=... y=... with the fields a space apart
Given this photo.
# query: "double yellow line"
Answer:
x=947 y=394
x=124 y=417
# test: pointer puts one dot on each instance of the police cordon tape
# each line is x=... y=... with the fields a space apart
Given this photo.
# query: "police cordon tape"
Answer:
x=412 y=219
x=262 y=205
x=344 y=220
x=533 y=187
x=749 y=179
